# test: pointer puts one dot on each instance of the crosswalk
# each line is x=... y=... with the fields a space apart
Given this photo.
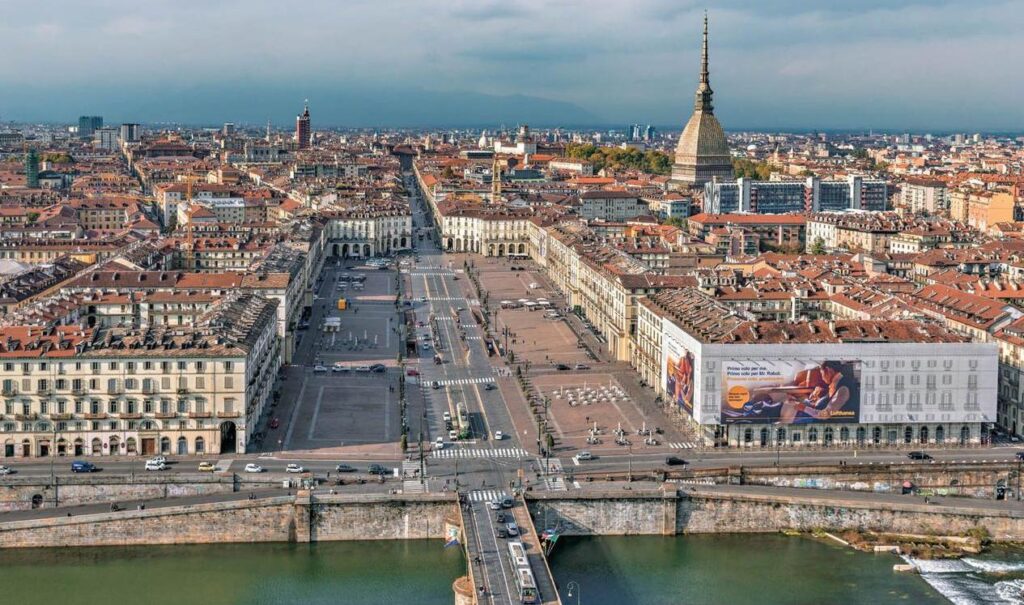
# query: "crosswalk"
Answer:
x=553 y=479
x=486 y=495
x=456 y=381
x=497 y=452
x=222 y=466
x=683 y=445
x=413 y=486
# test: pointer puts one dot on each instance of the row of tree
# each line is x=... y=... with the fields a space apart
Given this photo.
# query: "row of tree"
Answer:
x=617 y=158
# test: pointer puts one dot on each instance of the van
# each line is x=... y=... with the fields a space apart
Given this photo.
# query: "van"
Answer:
x=83 y=467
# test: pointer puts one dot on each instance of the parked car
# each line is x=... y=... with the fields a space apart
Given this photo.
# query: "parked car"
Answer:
x=513 y=529
x=501 y=532
x=155 y=465
x=500 y=517
x=507 y=502
x=275 y=422
x=675 y=461
x=584 y=455
x=919 y=455
x=378 y=367
x=377 y=469
x=319 y=368
x=562 y=367
x=446 y=416
x=339 y=367
x=582 y=366
x=206 y=467
x=5 y=470
x=79 y=466
x=253 y=468
x=345 y=468
x=362 y=368
x=294 y=468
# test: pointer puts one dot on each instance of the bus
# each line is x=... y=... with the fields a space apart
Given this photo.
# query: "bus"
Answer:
x=342 y=304
x=517 y=554
x=526 y=586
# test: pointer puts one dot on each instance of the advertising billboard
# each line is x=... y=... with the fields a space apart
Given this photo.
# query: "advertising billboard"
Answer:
x=679 y=370
x=790 y=392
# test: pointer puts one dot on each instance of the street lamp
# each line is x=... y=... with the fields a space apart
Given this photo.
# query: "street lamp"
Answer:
x=573 y=585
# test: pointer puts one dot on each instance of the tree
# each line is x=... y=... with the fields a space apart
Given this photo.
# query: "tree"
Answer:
x=405 y=443
x=749 y=169
x=675 y=221
x=32 y=217
x=818 y=247
x=549 y=441
x=511 y=356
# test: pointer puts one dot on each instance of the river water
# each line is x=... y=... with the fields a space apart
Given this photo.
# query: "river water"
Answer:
x=692 y=570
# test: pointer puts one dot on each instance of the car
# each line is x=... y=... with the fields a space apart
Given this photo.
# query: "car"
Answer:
x=253 y=468
x=512 y=528
x=378 y=368
x=425 y=346
x=582 y=366
x=345 y=468
x=1020 y=455
x=439 y=443
x=423 y=299
x=5 y=470
x=159 y=458
x=500 y=517
x=206 y=467
x=79 y=466
x=294 y=468
x=319 y=368
x=340 y=368
x=435 y=385
x=490 y=386
x=675 y=461
x=498 y=435
x=584 y=455
x=155 y=465
x=507 y=502
x=561 y=367
x=494 y=505
x=447 y=416
x=362 y=368
x=453 y=435
x=274 y=423
x=412 y=372
x=501 y=532
x=377 y=469
x=919 y=455
x=448 y=425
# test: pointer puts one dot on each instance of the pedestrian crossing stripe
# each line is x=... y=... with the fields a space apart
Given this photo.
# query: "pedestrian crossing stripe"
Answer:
x=684 y=445
x=486 y=495
x=498 y=452
x=455 y=381
x=413 y=486
x=223 y=465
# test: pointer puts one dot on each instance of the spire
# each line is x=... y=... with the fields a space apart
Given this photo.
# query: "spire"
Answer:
x=704 y=92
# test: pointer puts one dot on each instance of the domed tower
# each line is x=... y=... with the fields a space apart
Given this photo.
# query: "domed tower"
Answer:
x=702 y=152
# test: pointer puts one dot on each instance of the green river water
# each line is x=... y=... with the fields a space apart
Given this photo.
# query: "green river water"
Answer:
x=692 y=570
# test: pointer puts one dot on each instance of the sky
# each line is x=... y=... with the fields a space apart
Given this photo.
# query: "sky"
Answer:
x=913 y=65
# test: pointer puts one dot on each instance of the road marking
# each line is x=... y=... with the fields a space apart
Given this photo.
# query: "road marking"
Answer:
x=456 y=452
x=295 y=412
x=316 y=412
x=683 y=445
x=223 y=465
x=458 y=381
x=487 y=495
x=575 y=460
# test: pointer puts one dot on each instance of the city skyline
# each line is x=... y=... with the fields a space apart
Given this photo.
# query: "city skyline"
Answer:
x=825 y=67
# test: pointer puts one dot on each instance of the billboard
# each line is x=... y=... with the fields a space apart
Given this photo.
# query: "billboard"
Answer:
x=679 y=370
x=790 y=392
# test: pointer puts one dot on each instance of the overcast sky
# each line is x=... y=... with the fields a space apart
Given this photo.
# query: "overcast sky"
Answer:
x=897 y=64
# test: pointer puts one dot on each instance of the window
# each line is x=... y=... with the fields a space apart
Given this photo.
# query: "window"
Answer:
x=229 y=382
x=112 y=406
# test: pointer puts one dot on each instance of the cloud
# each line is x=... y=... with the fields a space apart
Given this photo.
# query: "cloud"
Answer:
x=875 y=63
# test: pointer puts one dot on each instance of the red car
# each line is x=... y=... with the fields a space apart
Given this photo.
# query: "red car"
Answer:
x=412 y=372
x=274 y=423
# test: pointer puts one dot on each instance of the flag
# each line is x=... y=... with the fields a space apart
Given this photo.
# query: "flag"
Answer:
x=452 y=542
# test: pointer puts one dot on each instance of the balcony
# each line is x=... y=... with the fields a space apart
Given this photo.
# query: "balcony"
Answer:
x=182 y=390
x=200 y=415
x=32 y=416
x=99 y=416
x=10 y=392
x=60 y=416
x=80 y=391
x=131 y=416
x=166 y=415
x=229 y=414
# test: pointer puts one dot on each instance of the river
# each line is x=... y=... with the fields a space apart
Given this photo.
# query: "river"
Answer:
x=692 y=570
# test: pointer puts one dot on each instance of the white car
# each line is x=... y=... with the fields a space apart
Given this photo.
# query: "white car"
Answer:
x=340 y=368
x=6 y=470
x=439 y=443
x=160 y=459
x=498 y=435
x=153 y=465
x=584 y=456
x=294 y=468
x=319 y=368
x=253 y=468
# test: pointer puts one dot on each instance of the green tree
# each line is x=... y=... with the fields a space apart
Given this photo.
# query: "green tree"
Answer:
x=818 y=247
x=405 y=443
x=549 y=441
x=675 y=221
x=32 y=217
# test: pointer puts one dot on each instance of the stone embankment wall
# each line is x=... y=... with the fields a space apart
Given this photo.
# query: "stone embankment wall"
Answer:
x=24 y=493
x=663 y=512
x=975 y=480
x=278 y=519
